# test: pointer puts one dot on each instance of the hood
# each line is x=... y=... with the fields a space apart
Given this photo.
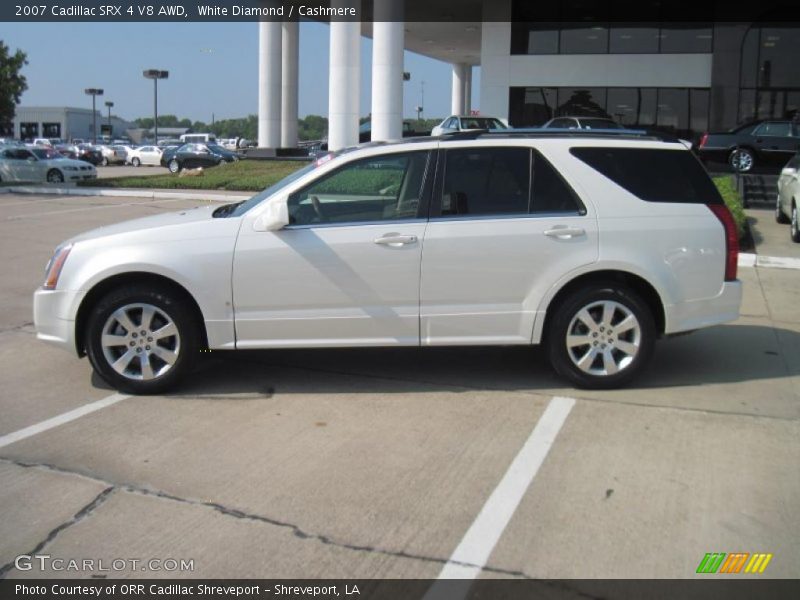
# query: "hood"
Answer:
x=169 y=224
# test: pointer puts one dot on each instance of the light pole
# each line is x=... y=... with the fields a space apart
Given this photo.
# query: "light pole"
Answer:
x=109 y=104
x=94 y=92
x=155 y=75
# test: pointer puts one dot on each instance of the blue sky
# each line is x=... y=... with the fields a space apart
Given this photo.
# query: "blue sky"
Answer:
x=213 y=68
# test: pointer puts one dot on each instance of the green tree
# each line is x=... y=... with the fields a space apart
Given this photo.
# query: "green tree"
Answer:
x=12 y=82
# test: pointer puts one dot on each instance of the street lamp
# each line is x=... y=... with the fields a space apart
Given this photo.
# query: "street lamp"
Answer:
x=94 y=92
x=109 y=104
x=155 y=75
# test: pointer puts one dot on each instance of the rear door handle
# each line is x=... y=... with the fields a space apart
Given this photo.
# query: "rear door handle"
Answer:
x=564 y=233
x=395 y=240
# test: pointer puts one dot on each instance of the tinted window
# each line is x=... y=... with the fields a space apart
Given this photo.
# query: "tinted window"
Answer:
x=775 y=129
x=551 y=194
x=653 y=175
x=598 y=124
x=381 y=188
x=486 y=181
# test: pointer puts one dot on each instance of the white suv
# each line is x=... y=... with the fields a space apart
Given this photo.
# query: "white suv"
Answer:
x=591 y=244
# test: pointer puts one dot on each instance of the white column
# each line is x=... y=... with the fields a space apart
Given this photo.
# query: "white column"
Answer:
x=289 y=68
x=269 y=84
x=468 y=90
x=457 y=92
x=387 y=70
x=344 y=87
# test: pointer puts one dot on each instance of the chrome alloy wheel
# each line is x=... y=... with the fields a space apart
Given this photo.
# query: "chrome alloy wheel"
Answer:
x=140 y=341
x=742 y=160
x=603 y=338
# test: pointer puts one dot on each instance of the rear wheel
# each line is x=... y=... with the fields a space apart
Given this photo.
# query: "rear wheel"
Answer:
x=136 y=162
x=55 y=176
x=601 y=337
x=174 y=167
x=105 y=161
x=779 y=216
x=142 y=340
x=742 y=160
x=794 y=228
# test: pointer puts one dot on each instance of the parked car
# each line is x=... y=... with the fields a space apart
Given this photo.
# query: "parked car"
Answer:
x=191 y=156
x=67 y=151
x=365 y=131
x=42 y=164
x=581 y=123
x=145 y=155
x=90 y=154
x=456 y=123
x=611 y=244
x=760 y=143
x=43 y=142
x=112 y=155
x=789 y=197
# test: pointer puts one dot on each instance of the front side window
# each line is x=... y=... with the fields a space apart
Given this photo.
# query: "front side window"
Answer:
x=381 y=188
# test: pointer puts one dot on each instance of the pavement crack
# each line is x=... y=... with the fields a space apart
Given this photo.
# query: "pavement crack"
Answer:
x=296 y=530
x=76 y=518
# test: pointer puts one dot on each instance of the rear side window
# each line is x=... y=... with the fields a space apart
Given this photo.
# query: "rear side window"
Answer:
x=653 y=175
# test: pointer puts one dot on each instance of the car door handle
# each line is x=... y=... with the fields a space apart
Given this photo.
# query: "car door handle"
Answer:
x=564 y=233
x=395 y=239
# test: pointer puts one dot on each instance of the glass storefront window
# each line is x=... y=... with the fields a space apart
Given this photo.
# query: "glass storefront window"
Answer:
x=779 y=66
x=633 y=39
x=686 y=38
x=673 y=109
x=590 y=102
x=581 y=38
x=632 y=107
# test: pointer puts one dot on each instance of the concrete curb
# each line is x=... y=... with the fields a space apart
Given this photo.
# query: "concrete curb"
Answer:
x=126 y=193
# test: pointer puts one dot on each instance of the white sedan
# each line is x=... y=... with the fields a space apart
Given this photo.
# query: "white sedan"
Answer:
x=42 y=164
x=456 y=123
x=788 y=197
x=145 y=155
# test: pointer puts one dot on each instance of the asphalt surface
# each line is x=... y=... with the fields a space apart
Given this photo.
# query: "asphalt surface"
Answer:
x=380 y=463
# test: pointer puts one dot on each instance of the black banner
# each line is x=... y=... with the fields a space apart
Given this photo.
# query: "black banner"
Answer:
x=729 y=588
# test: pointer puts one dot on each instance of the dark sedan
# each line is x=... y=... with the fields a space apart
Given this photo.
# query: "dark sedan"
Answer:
x=191 y=156
x=762 y=143
x=89 y=153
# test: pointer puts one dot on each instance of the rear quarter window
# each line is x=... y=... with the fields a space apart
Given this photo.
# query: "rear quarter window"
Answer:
x=653 y=175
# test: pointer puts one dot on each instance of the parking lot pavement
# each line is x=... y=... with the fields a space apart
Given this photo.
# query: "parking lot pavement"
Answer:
x=129 y=171
x=771 y=238
x=381 y=462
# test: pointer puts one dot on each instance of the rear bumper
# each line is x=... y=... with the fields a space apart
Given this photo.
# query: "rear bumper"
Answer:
x=53 y=317
x=722 y=308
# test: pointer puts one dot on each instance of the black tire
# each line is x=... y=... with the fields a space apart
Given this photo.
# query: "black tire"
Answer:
x=136 y=162
x=742 y=160
x=174 y=166
x=794 y=227
x=565 y=321
x=105 y=161
x=185 y=345
x=55 y=176
x=779 y=216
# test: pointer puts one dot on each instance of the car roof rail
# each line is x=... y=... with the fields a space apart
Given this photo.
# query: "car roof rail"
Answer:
x=534 y=132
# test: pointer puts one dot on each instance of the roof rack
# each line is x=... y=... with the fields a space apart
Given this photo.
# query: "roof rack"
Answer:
x=534 y=132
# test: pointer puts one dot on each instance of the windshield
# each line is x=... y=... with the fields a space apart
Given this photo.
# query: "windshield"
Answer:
x=599 y=124
x=45 y=153
x=248 y=204
x=482 y=123
x=216 y=148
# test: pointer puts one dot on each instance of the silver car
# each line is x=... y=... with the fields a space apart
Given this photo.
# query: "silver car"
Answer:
x=42 y=164
x=788 y=197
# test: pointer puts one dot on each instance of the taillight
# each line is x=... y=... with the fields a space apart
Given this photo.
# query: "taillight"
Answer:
x=703 y=140
x=731 y=239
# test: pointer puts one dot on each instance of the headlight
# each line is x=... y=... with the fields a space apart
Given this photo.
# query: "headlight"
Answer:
x=53 y=269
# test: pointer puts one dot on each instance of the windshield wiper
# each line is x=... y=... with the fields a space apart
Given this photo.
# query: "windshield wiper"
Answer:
x=226 y=209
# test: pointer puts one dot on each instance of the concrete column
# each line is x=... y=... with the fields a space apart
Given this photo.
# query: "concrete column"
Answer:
x=468 y=90
x=289 y=69
x=269 y=84
x=457 y=92
x=344 y=87
x=387 y=70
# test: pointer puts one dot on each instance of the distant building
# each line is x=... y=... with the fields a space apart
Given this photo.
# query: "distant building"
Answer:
x=63 y=122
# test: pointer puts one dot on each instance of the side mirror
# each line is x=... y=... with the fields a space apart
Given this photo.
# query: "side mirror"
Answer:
x=275 y=217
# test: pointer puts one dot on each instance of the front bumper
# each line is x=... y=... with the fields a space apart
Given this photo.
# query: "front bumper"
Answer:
x=54 y=317
x=722 y=308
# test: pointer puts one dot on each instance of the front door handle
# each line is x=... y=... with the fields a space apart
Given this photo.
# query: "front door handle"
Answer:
x=564 y=233
x=395 y=240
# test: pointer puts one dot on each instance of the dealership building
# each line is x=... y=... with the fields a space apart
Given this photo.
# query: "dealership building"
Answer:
x=540 y=60
x=63 y=122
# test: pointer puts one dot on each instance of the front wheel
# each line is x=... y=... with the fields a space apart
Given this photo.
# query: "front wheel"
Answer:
x=55 y=176
x=794 y=228
x=142 y=340
x=779 y=216
x=174 y=167
x=601 y=337
x=105 y=161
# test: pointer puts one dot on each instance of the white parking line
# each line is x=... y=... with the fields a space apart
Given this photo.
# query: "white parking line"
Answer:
x=774 y=262
x=61 y=419
x=475 y=548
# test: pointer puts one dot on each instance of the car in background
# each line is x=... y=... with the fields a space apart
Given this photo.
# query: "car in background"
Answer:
x=42 y=142
x=365 y=131
x=579 y=122
x=767 y=143
x=191 y=156
x=42 y=164
x=90 y=154
x=789 y=197
x=145 y=155
x=112 y=155
x=67 y=150
x=457 y=123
